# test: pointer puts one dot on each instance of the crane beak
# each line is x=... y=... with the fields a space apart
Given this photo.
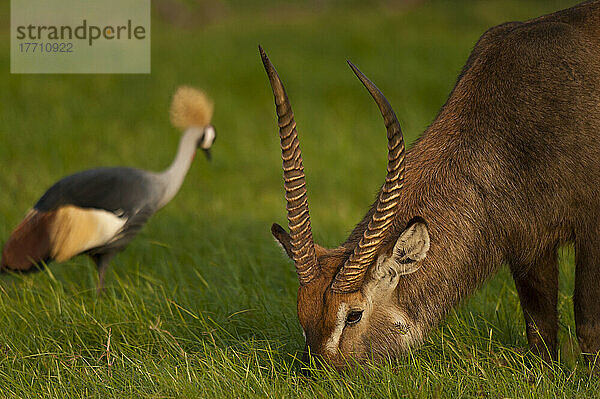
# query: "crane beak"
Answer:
x=207 y=153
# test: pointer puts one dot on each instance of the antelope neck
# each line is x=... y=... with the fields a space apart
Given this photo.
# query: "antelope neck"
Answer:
x=463 y=253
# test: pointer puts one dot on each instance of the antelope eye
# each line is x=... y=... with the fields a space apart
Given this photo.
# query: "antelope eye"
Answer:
x=354 y=317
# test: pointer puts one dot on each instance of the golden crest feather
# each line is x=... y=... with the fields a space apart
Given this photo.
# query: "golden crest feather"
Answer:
x=190 y=107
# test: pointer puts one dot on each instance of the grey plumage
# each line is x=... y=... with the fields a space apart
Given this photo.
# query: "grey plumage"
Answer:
x=119 y=190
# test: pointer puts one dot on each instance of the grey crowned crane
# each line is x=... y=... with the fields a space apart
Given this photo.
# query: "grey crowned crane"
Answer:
x=98 y=212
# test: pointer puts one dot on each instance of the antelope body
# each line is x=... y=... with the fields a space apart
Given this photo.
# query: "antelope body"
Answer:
x=99 y=211
x=508 y=171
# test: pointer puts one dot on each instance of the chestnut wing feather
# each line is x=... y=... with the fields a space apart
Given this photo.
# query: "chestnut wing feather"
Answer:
x=29 y=243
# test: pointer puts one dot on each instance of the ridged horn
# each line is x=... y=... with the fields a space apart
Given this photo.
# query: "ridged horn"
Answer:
x=351 y=275
x=294 y=182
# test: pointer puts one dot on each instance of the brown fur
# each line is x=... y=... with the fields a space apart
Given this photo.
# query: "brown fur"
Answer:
x=508 y=171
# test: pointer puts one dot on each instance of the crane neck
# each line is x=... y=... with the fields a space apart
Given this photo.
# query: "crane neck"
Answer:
x=172 y=178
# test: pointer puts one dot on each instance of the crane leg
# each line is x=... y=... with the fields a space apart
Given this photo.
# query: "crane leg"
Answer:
x=102 y=261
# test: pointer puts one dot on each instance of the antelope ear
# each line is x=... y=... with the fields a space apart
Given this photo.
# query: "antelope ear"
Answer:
x=409 y=250
x=283 y=238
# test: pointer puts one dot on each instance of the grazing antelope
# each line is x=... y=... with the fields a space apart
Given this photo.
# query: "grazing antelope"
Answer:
x=99 y=211
x=508 y=171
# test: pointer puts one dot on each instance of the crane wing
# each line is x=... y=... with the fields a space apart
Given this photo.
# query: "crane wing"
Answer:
x=129 y=230
x=122 y=191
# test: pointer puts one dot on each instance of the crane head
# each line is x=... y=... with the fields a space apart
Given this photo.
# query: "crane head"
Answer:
x=192 y=109
x=207 y=139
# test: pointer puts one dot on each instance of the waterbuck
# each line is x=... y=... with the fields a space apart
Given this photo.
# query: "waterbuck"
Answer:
x=508 y=171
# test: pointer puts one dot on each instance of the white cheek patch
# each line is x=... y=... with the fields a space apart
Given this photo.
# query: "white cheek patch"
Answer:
x=208 y=138
x=332 y=343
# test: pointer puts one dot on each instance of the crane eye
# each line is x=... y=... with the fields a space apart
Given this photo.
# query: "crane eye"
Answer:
x=354 y=317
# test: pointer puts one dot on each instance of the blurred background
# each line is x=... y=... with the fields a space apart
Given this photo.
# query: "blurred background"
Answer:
x=52 y=125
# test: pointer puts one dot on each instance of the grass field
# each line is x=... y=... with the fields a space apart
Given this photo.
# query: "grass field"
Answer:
x=202 y=303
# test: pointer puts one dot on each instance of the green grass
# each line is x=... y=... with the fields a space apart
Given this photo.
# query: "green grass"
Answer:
x=202 y=303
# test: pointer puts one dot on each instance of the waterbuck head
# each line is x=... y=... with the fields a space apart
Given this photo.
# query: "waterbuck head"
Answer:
x=347 y=300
